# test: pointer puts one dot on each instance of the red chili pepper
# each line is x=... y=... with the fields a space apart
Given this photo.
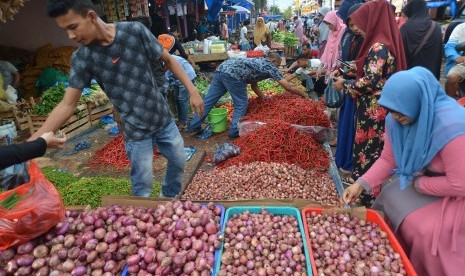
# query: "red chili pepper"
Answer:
x=113 y=155
x=281 y=143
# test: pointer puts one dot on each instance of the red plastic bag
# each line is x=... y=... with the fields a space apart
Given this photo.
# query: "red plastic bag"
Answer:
x=39 y=209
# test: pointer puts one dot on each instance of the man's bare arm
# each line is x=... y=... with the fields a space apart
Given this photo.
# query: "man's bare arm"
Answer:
x=61 y=113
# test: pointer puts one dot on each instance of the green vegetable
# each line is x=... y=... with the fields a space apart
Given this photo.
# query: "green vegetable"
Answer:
x=202 y=85
x=89 y=191
x=50 y=99
x=268 y=85
x=13 y=199
x=58 y=178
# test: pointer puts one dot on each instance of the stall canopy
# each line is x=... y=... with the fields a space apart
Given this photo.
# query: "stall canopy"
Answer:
x=248 y=4
x=272 y=16
x=214 y=8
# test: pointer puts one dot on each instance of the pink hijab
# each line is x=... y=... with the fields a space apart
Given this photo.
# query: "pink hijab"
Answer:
x=332 y=53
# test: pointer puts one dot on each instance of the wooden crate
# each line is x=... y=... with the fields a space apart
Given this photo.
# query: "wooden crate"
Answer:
x=74 y=125
x=290 y=51
x=20 y=122
x=97 y=112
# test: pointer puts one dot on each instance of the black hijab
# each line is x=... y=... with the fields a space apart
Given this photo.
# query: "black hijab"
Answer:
x=351 y=43
x=417 y=25
x=414 y=31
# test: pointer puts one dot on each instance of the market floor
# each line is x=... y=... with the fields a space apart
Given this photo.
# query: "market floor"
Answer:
x=78 y=163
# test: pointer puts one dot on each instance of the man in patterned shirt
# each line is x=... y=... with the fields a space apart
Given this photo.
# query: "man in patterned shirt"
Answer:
x=233 y=75
x=125 y=59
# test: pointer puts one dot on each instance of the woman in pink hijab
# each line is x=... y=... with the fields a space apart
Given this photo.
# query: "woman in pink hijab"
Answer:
x=299 y=32
x=331 y=53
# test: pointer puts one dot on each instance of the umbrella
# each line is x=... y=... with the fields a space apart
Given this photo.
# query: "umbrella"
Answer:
x=240 y=9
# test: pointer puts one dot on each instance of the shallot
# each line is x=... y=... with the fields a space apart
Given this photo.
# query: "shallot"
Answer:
x=261 y=244
x=346 y=245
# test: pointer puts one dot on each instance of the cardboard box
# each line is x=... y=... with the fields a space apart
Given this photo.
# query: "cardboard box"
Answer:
x=151 y=202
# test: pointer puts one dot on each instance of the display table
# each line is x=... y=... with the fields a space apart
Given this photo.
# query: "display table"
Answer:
x=208 y=57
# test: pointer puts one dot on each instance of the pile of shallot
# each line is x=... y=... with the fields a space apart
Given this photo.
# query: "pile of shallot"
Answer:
x=262 y=244
x=174 y=238
x=262 y=180
x=348 y=246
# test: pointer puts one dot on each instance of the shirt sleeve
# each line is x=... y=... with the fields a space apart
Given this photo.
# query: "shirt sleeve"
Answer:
x=455 y=38
x=79 y=75
x=275 y=74
x=15 y=154
x=150 y=43
x=299 y=71
x=11 y=68
x=381 y=169
x=452 y=184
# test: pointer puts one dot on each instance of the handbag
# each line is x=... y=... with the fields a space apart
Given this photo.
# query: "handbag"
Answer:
x=333 y=97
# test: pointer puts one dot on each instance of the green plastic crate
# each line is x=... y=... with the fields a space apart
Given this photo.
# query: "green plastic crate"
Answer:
x=275 y=210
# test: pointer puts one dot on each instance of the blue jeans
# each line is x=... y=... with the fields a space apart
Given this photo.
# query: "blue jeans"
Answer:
x=221 y=84
x=140 y=153
x=182 y=101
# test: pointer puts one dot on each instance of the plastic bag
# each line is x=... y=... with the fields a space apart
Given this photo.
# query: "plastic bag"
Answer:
x=318 y=133
x=13 y=176
x=226 y=151
x=11 y=95
x=333 y=97
x=207 y=133
x=38 y=210
x=189 y=152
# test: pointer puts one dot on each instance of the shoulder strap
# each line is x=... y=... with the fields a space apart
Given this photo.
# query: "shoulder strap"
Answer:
x=427 y=36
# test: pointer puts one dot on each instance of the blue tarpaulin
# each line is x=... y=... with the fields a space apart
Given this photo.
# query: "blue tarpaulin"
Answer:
x=214 y=8
x=243 y=3
x=272 y=16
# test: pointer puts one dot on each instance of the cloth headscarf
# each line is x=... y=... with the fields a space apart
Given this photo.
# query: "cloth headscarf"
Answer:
x=322 y=27
x=351 y=46
x=259 y=33
x=437 y=119
x=377 y=20
x=331 y=53
x=343 y=11
x=299 y=30
x=167 y=41
x=417 y=26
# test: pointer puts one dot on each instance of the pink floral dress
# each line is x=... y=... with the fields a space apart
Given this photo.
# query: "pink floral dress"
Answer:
x=369 y=135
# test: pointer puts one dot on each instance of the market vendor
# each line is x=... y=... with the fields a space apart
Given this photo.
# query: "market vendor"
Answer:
x=10 y=74
x=244 y=37
x=181 y=93
x=232 y=76
x=171 y=41
x=422 y=172
x=125 y=59
x=18 y=153
x=306 y=72
x=307 y=52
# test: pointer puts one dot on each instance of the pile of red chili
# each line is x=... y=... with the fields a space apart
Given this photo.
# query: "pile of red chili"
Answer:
x=287 y=108
x=113 y=155
x=281 y=143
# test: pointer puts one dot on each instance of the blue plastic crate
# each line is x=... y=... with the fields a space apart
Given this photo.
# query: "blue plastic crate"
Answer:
x=217 y=252
x=275 y=210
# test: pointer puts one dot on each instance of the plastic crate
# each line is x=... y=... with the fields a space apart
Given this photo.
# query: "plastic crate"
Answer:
x=275 y=210
x=217 y=252
x=371 y=216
